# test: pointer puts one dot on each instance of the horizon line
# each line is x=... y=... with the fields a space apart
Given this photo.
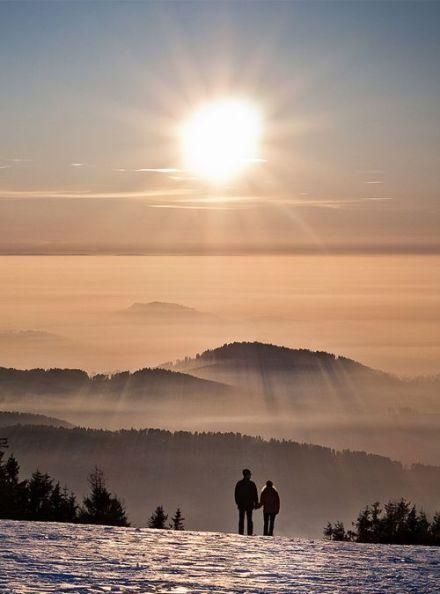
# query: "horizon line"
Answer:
x=232 y=250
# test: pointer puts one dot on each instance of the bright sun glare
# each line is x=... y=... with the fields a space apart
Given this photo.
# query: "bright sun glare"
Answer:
x=221 y=138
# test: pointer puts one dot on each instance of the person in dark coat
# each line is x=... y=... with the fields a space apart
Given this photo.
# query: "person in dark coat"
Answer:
x=270 y=502
x=246 y=498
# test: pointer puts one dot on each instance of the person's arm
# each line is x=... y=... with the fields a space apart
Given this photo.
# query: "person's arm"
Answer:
x=255 y=495
x=262 y=497
x=237 y=488
x=277 y=500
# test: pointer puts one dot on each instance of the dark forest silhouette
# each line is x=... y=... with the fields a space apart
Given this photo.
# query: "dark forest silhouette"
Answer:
x=42 y=499
x=317 y=483
x=246 y=387
x=398 y=522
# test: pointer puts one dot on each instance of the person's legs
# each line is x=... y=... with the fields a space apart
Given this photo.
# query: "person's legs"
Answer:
x=250 y=524
x=241 y=521
x=266 y=524
x=271 y=523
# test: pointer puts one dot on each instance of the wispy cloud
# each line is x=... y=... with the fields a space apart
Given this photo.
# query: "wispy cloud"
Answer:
x=158 y=170
x=80 y=194
x=193 y=206
x=18 y=160
x=78 y=164
x=376 y=181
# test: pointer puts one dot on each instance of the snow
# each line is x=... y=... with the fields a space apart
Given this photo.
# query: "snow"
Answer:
x=65 y=558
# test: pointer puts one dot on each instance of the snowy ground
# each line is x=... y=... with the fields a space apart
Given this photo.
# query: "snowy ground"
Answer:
x=39 y=558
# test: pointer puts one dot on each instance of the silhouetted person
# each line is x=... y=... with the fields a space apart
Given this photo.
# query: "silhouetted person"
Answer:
x=246 y=498
x=270 y=502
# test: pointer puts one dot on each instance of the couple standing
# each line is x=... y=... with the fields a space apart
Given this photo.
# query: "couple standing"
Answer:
x=246 y=498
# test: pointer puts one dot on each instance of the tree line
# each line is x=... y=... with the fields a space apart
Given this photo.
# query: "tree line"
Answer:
x=145 y=465
x=41 y=498
x=398 y=522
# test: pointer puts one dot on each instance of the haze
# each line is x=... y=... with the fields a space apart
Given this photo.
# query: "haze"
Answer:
x=175 y=176
x=380 y=310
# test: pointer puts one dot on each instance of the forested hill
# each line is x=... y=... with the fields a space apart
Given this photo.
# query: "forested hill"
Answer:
x=8 y=418
x=198 y=471
x=20 y=383
x=258 y=355
x=313 y=380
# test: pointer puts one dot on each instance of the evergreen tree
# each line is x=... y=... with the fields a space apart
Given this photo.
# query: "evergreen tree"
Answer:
x=398 y=523
x=101 y=507
x=328 y=531
x=364 y=525
x=177 y=521
x=39 y=493
x=63 y=505
x=336 y=532
x=13 y=492
x=434 y=530
x=339 y=532
x=158 y=519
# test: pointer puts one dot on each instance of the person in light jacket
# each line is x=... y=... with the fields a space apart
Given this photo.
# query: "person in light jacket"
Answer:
x=270 y=502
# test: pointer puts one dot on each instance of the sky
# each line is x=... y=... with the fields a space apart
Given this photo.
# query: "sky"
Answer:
x=93 y=94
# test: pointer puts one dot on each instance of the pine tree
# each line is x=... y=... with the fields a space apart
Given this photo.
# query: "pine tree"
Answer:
x=13 y=492
x=158 y=519
x=39 y=493
x=363 y=525
x=339 y=532
x=328 y=531
x=398 y=523
x=434 y=530
x=177 y=521
x=63 y=505
x=101 y=507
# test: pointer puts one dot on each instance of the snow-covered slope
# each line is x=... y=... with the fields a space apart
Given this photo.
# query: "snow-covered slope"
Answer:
x=61 y=558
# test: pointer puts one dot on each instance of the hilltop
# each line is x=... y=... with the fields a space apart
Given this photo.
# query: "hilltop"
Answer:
x=38 y=557
x=310 y=379
x=8 y=418
x=258 y=355
x=144 y=383
x=163 y=312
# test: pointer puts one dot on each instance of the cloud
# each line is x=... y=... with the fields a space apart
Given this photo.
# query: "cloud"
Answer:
x=192 y=206
x=79 y=194
x=374 y=182
x=5 y=166
x=158 y=170
x=78 y=164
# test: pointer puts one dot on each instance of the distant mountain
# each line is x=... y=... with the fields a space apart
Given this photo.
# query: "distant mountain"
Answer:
x=256 y=388
x=292 y=377
x=269 y=368
x=166 y=313
x=23 y=348
x=142 y=384
x=259 y=356
x=9 y=418
x=29 y=335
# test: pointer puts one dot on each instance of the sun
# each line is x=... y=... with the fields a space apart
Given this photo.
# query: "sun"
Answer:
x=221 y=139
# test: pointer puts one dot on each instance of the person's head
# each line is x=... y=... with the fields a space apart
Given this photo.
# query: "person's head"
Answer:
x=247 y=473
x=269 y=484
